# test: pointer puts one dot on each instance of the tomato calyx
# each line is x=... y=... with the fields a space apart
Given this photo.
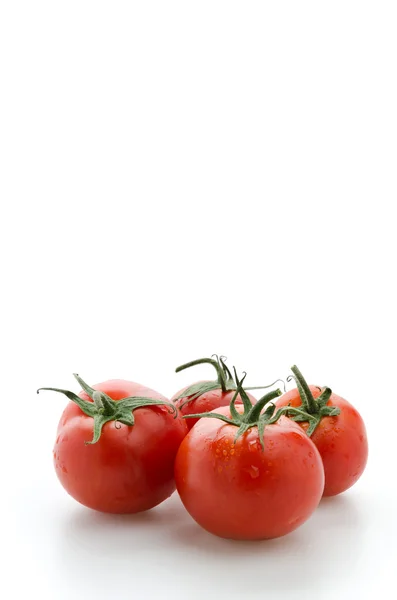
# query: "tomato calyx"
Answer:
x=314 y=409
x=252 y=415
x=224 y=380
x=104 y=409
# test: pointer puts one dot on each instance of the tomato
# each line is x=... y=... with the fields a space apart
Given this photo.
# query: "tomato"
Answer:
x=248 y=476
x=205 y=396
x=129 y=464
x=337 y=429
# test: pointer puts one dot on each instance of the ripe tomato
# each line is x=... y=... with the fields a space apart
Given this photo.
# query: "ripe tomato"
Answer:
x=205 y=396
x=128 y=467
x=261 y=483
x=337 y=430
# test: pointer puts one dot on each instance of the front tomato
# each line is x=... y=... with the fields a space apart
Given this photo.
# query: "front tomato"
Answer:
x=262 y=483
x=128 y=467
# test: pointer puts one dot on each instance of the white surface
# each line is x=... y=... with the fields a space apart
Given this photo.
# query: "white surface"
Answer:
x=180 y=179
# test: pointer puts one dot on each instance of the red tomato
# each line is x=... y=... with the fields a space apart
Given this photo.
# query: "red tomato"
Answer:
x=340 y=439
x=130 y=467
x=205 y=396
x=237 y=489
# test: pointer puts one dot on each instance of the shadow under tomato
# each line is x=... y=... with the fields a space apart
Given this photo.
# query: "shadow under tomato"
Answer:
x=307 y=558
x=168 y=538
x=116 y=535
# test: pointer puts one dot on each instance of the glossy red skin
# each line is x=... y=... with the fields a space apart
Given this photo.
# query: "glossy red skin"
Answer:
x=130 y=469
x=341 y=441
x=205 y=403
x=237 y=490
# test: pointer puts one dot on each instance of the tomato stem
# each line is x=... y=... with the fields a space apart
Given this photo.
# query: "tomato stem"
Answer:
x=219 y=370
x=255 y=412
x=314 y=409
x=103 y=403
x=224 y=380
x=307 y=398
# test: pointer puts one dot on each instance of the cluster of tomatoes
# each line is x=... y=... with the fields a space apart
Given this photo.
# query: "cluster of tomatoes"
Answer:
x=244 y=468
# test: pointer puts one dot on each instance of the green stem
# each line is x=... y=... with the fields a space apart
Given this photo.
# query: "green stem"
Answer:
x=306 y=396
x=104 y=404
x=243 y=394
x=265 y=387
x=210 y=361
x=256 y=410
x=88 y=408
x=87 y=388
x=211 y=415
x=325 y=396
x=225 y=367
x=313 y=410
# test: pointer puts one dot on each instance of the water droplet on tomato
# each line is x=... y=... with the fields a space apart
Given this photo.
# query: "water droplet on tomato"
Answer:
x=252 y=471
x=253 y=445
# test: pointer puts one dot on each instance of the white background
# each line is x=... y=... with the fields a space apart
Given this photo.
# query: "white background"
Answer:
x=178 y=179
